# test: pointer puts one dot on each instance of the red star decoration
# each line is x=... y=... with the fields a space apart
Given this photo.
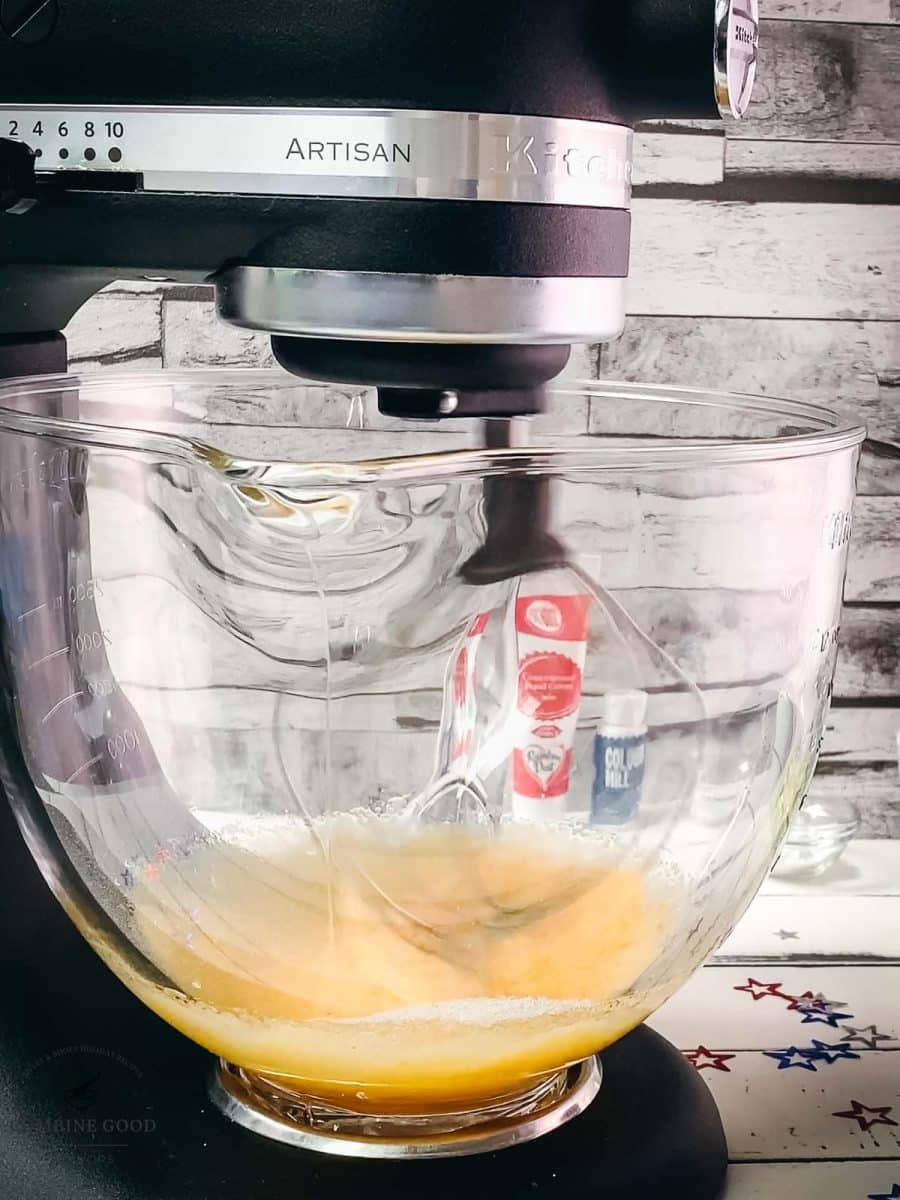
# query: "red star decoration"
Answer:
x=806 y=999
x=703 y=1058
x=858 y=1112
x=760 y=990
x=813 y=1001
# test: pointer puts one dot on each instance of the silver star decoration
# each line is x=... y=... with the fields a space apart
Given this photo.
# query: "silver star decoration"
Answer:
x=857 y=1036
x=819 y=1004
x=785 y=934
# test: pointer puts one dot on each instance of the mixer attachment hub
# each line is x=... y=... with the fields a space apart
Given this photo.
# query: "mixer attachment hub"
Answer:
x=431 y=380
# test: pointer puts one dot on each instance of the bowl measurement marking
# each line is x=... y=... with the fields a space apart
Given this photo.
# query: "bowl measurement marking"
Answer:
x=58 y=705
x=84 y=766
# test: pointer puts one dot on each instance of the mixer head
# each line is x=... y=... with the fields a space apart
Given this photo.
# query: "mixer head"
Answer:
x=435 y=202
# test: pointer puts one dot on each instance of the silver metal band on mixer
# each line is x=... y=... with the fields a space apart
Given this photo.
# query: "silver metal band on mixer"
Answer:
x=352 y=152
x=735 y=54
x=446 y=308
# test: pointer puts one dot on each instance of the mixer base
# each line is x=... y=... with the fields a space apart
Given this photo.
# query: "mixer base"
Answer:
x=267 y=1107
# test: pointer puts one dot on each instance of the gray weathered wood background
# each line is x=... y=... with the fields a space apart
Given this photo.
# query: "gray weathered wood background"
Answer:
x=766 y=257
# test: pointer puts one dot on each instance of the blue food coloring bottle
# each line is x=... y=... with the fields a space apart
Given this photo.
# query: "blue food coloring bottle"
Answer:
x=619 y=748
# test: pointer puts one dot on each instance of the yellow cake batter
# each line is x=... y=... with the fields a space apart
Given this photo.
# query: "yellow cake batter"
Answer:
x=380 y=965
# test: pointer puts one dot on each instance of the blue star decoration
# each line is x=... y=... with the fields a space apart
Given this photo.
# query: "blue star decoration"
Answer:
x=893 y=1194
x=806 y=1058
x=822 y=1014
x=821 y=1051
x=791 y=1057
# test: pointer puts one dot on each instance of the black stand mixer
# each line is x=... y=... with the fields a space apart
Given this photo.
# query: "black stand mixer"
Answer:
x=429 y=200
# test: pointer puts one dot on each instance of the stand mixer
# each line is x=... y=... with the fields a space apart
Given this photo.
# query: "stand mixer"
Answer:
x=444 y=227
x=431 y=204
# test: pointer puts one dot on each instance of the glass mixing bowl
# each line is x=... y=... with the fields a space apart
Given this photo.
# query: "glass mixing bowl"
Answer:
x=403 y=849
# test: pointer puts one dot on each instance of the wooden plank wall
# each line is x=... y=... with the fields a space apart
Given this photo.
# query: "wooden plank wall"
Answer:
x=766 y=257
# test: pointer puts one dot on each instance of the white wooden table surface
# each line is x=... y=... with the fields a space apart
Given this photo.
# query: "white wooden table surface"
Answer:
x=795 y=1027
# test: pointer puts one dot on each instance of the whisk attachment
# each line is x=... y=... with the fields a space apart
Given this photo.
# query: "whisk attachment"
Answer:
x=518 y=540
x=453 y=800
x=517 y=726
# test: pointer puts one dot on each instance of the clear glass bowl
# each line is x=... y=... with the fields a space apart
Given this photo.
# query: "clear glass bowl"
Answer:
x=817 y=837
x=402 y=861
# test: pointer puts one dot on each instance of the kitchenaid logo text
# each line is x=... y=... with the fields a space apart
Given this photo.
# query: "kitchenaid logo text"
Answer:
x=348 y=152
x=531 y=156
x=746 y=34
